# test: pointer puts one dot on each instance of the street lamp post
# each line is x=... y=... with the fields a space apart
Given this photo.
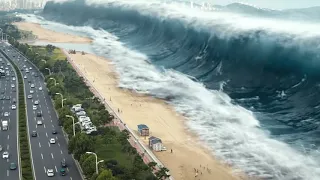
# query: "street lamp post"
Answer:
x=74 y=130
x=97 y=162
x=55 y=81
x=48 y=70
x=61 y=98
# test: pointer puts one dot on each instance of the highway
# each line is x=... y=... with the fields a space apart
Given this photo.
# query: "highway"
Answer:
x=44 y=155
x=9 y=138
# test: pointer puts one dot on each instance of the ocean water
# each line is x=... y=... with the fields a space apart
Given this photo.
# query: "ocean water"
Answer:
x=246 y=79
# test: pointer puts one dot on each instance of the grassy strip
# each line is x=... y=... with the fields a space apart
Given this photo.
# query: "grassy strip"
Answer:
x=26 y=167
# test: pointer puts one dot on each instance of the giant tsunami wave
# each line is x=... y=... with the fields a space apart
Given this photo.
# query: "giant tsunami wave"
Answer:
x=265 y=63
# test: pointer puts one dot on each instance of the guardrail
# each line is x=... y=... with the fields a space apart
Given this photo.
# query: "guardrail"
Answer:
x=111 y=110
x=66 y=137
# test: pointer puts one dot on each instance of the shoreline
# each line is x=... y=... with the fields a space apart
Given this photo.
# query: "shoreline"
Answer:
x=188 y=152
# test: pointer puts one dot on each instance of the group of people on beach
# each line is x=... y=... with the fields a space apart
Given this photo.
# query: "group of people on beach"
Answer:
x=197 y=171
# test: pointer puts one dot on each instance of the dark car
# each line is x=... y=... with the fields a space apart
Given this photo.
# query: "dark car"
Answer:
x=29 y=81
x=2 y=92
x=8 y=98
x=21 y=69
x=62 y=172
x=63 y=163
x=14 y=100
x=34 y=134
x=54 y=131
x=39 y=114
x=13 y=89
x=2 y=97
x=13 y=166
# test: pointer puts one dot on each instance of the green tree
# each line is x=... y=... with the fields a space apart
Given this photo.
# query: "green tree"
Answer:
x=89 y=166
x=152 y=165
x=162 y=173
x=80 y=144
x=106 y=175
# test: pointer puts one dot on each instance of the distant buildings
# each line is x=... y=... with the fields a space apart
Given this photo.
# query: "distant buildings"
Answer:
x=7 y=5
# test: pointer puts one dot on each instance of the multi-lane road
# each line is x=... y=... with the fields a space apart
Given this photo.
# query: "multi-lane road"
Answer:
x=45 y=155
x=9 y=138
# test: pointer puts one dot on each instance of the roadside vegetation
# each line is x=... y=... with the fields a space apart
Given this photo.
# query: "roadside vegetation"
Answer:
x=26 y=167
x=121 y=160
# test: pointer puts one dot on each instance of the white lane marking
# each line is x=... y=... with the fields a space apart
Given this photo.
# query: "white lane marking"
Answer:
x=49 y=144
x=8 y=160
x=39 y=144
x=51 y=120
x=46 y=134
x=44 y=169
x=41 y=156
x=56 y=168
x=56 y=137
x=70 y=178
x=44 y=125
x=8 y=137
x=61 y=151
x=7 y=172
x=42 y=118
x=8 y=147
x=52 y=156
x=52 y=125
x=58 y=144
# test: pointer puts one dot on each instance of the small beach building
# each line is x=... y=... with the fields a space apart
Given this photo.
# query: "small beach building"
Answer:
x=143 y=130
x=155 y=143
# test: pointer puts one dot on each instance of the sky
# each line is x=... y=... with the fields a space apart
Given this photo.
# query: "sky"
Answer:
x=272 y=4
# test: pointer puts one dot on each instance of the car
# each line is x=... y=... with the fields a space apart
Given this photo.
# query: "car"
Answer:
x=8 y=98
x=39 y=114
x=13 y=89
x=40 y=88
x=34 y=107
x=8 y=64
x=12 y=85
x=54 y=131
x=52 y=141
x=34 y=134
x=31 y=91
x=36 y=102
x=62 y=172
x=2 y=92
x=13 y=166
x=27 y=71
x=0 y=148
x=30 y=68
x=29 y=81
x=39 y=122
x=32 y=85
x=63 y=163
x=2 y=97
x=50 y=172
x=13 y=107
x=14 y=100
x=29 y=96
x=5 y=155
x=21 y=69
x=6 y=114
x=24 y=77
x=6 y=68
x=13 y=79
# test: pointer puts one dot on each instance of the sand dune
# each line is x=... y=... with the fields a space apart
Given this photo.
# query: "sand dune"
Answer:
x=188 y=153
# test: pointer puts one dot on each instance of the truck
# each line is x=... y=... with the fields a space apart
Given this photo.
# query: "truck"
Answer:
x=4 y=125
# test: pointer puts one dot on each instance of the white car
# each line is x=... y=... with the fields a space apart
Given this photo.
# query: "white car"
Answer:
x=29 y=96
x=6 y=114
x=34 y=107
x=6 y=68
x=50 y=173
x=13 y=107
x=5 y=155
x=13 y=79
x=30 y=68
x=24 y=77
x=52 y=141
x=32 y=85
x=36 y=102
x=31 y=91
x=24 y=66
x=40 y=88
x=39 y=122
x=12 y=85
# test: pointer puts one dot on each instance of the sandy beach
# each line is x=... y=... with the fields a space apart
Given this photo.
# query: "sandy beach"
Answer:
x=188 y=154
x=50 y=36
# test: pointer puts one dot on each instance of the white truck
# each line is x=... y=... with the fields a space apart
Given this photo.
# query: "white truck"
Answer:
x=4 y=125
